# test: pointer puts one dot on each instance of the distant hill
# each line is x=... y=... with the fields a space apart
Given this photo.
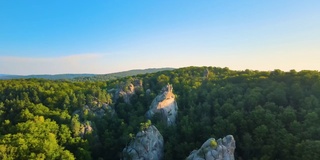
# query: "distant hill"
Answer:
x=2 y=75
x=45 y=76
x=86 y=77
x=102 y=77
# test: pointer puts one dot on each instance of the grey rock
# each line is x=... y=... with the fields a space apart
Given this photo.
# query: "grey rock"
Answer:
x=137 y=83
x=147 y=144
x=148 y=92
x=165 y=105
x=125 y=94
x=127 y=90
x=86 y=128
x=224 y=150
x=206 y=73
x=105 y=109
x=98 y=110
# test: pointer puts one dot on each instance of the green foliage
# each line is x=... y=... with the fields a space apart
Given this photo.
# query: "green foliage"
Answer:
x=36 y=118
x=213 y=144
x=131 y=136
x=307 y=149
x=272 y=115
x=113 y=76
x=75 y=125
x=145 y=126
x=34 y=139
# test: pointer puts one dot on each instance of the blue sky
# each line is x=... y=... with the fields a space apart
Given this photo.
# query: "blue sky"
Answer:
x=52 y=37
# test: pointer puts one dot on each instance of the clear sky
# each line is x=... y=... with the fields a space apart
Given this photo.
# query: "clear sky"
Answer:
x=80 y=36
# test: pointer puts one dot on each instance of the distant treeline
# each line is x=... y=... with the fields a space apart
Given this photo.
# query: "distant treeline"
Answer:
x=86 y=77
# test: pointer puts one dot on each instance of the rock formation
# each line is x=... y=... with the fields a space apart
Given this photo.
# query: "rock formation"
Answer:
x=95 y=111
x=206 y=73
x=88 y=112
x=222 y=149
x=126 y=90
x=148 y=92
x=165 y=105
x=105 y=109
x=86 y=128
x=147 y=144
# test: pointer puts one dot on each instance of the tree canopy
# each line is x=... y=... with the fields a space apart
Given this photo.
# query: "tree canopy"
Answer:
x=271 y=114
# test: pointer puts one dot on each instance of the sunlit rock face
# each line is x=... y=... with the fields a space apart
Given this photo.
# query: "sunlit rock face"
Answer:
x=147 y=144
x=165 y=105
x=221 y=149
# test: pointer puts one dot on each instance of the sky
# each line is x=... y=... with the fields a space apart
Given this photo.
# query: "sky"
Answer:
x=78 y=36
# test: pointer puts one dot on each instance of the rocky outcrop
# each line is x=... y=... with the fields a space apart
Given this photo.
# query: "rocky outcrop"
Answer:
x=126 y=90
x=88 y=112
x=105 y=109
x=86 y=128
x=206 y=73
x=95 y=111
x=164 y=105
x=147 y=144
x=148 y=92
x=222 y=149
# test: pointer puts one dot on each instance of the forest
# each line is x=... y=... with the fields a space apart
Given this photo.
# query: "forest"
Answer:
x=271 y=114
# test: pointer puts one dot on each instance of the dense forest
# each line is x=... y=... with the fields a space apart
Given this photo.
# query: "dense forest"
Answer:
x=271 y=114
